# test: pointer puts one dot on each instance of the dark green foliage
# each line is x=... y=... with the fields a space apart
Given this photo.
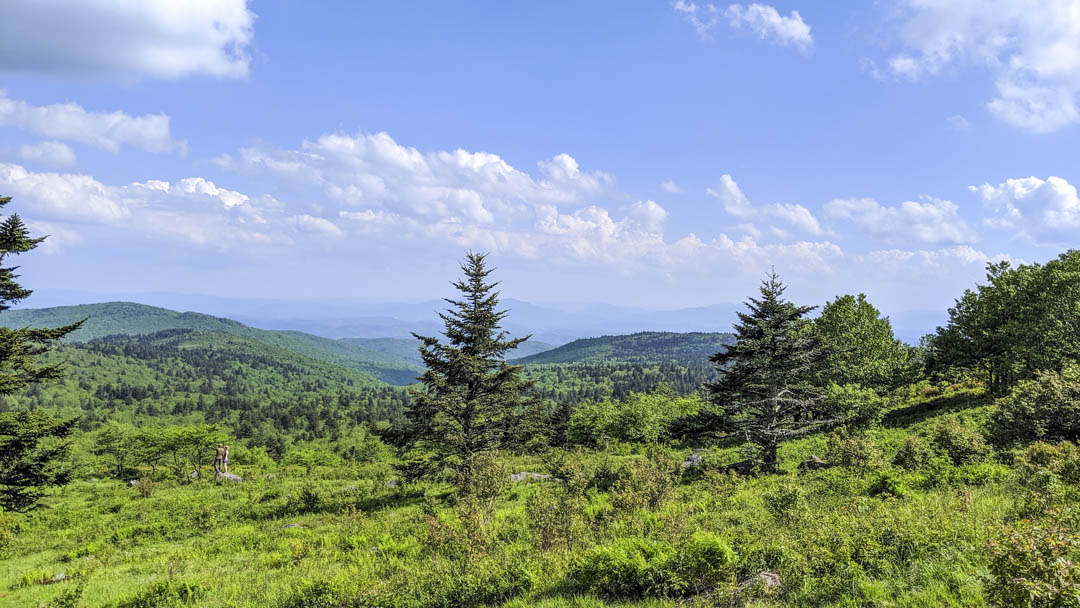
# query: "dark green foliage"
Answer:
x=164 y=594
x=1035 y=566
x=766 y=394
x=864 y=350
x=33 y=446
x=1044 y=408
x=471 y=398
x=915 y=453
x=631 y=568
x=1023 y=320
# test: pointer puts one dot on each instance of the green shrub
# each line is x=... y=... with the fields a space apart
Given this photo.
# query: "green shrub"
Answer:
x=632 y=568
x=1033 y=565
x=915 y=453
x=701 y=564
x=787 y=503
x=626 y=568
x=645 y=482
x=1045 y=408
x=856 y=451
x=887 y=483
x=961 y=443
x=164 y=594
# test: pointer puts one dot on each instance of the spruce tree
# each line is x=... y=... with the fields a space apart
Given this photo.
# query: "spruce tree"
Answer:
x=31 y=444
x=765 y=392
x=471 y=398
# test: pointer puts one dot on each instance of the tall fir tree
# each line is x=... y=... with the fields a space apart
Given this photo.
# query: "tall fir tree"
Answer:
x=471 y=397
x=32 y=445
x=765 y=393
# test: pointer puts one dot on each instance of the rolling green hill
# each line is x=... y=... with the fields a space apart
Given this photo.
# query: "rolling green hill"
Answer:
x=259 y=390
x=127 y=318
x=643 y=346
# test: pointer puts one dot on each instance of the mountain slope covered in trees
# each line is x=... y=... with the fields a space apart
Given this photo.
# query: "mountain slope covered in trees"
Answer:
x=128 y=318
x=642 y=346
x=408 y=349
x=264 y=392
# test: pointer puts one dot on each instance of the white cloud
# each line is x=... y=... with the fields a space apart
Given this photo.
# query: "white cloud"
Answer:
x=52 y=153
x=1032 y=48
x=930 y=221
x=769 y=24
x=737 y=204
x=156 y=38
x=317 y=225
x=670 y=186
x=1042 y=211
x=105 y=130
x=959 y=123
x=762 y=19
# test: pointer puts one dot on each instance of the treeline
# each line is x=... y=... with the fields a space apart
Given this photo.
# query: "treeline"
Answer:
x=575 y=383
x=1023 y=320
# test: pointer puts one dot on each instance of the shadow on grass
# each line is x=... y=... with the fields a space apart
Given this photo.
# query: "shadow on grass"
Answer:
x=947 y=404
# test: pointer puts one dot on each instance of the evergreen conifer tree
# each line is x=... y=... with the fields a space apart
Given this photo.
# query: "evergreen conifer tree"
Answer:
x=31 y=444
x=471 y=398
x=765 y=393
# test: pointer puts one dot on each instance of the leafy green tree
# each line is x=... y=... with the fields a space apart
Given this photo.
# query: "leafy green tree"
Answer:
x=31 y=445
x=471 y=398
x=864 y=350
x=1022 y=320
x=1044 y=408
x=766 y=393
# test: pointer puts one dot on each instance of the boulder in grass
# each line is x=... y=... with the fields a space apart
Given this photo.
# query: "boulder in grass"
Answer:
x=59 y=577
x=813 y=464
x=695 y=459
x=528 y=476
x=133 y=482
x=229 y=477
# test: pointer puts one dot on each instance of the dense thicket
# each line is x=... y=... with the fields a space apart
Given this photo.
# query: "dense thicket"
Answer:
x=1024 y=319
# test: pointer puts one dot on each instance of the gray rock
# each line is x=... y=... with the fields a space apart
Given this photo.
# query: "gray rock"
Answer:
x=59 y=577
x=194 y=475
x=230 y=477
x=391 y=484
x=133 y=482
x=695 y=459
x=771 y=580
x=812 y=464
x=287 y=526
x=528 y=476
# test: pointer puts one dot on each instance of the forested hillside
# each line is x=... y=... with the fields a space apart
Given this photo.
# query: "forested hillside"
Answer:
x=262 y=392
x=643 y=346
x=127 y=318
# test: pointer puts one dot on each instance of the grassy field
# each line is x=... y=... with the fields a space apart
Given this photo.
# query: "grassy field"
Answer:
x=626 y=527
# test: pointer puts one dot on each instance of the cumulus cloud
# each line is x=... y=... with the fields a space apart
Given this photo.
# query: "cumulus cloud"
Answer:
x=933 y=220
x=191 y=210
x=762 y=19
x=1032 y=48
x=131 y=38
x=106 y=130
x=737 y=204
x=670 y=186
x=1041 y=211
x=52 y=153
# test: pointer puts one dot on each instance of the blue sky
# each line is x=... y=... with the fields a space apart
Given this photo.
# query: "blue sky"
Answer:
x=658 y=154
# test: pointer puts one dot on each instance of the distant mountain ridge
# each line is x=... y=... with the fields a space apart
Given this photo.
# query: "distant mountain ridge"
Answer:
x=130 y=319
x=642 y=346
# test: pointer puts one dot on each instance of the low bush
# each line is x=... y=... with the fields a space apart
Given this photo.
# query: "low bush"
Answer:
x=957 y=440
x=1035 y=566
x=1045 y=408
